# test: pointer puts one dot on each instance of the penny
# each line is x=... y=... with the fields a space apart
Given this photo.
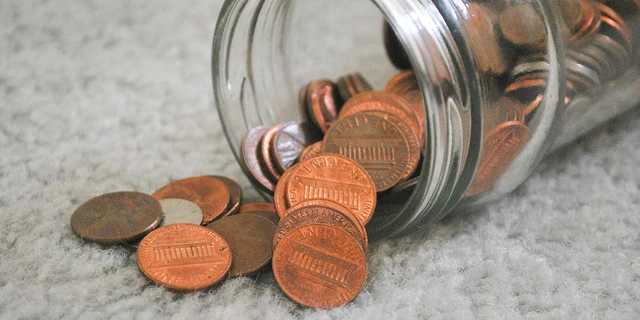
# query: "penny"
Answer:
x=380 y=146
x=319 y=266
x=267 y=214
x=591 y=22
x=264 y=153
x=490 y=54
x=615 y=21
x=280 y=194
x=335 y=178
x=500 y=147
x=522 y=25
x=323 y=102
x=210 y=194
x=395 y=50
x=249 y=159
x=257 y=206
x=116 y=217
x=572 y=15
x=235 y=195
x=184 y=257
x=290 y=141
x=249 y=237
x=312 y=151
x=405 y=84
x=502 y=110
x=322 y=212
x=384 y=101
x=180 y=211
x=352 y=85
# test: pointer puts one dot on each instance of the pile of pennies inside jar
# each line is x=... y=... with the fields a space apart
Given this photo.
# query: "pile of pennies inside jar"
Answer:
x=354 y=146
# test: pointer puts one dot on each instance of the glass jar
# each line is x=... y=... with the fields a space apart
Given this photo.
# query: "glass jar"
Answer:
x=570 y=65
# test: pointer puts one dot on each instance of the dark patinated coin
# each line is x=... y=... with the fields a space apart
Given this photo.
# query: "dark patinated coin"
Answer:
x=249 y=237
x=235 y=195
x=290 y=141
x=267 y=214
x=116 y=217
x=352 y=84
x=249 y=160
x=210 y=194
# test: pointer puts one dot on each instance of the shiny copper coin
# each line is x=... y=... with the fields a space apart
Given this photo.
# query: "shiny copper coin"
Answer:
x=320 y=266
x=264 y=153
x=290 y=141
x=322 y=212
x=386 y=102
x=250 y=162
x=258 y=206
x=280 y=195
x=611 y=18
x=590 y=23
x=267 y=214
x=522 y=25
x=235 y=195
x=395 y=50
x=500 y=147
x=352 y=85
x=389 y=152
x=210 y=194
x=405 y=84
x=249 y=237
x=312 y=151
x=184 y=257
x=323 y=102
x=116 y=217
x=335 y=178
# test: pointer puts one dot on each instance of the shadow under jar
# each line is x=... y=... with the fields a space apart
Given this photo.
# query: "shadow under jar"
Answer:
x=502 y=82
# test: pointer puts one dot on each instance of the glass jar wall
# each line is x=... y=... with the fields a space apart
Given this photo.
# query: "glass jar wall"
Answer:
x=502 y=82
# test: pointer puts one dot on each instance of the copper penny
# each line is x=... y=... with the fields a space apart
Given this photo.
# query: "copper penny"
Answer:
x=386 y=102
x=184 y=257
x=490 y=54
x=388 y=153
x=210 y=194
x=572 y=14
x=249 y=237
x=180 y=211
x=502 y=110
x=322 y=102
x=352 y=85
x=116 y=217
x=290 y=141
x=322 y=212
x=235 y=195
x=500 y=147
x=405 y=84
x=522 y=25
x=267 y=214
x=312 y=151
x=264 y=153
x=320 y=266
x=335 y=178
x=258 y=206
x=395 y=50
x=280 y=195
x=250 y=162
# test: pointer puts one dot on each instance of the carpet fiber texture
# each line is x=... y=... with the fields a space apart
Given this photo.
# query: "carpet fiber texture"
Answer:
x=104 y=96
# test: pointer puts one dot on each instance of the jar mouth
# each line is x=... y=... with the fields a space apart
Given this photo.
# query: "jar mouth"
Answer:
x=247 y=61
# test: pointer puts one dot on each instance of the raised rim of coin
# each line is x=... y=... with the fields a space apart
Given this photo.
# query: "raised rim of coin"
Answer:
x=264 y=153
x=290 y=141
x=258 y=206
x=184 y=257
x=249 y=160
x=235 y=194
x=116 y=217
x=210 y=194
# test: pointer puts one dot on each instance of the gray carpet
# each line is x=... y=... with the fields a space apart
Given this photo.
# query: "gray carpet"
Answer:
x=102 y=96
